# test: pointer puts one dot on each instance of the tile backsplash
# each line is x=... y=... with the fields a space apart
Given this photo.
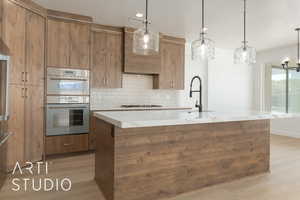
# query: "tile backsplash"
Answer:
x=137 y=89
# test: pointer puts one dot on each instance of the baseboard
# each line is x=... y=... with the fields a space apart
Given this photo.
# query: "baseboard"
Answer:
x=293 y=134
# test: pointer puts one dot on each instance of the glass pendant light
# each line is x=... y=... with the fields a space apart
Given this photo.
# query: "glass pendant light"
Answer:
x=245 y=54
x=203 y=48
x=145 y=42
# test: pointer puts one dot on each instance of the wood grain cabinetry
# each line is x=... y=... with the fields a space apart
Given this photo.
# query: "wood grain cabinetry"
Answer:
x=34 y=123
x=15 y=38
x=162 y=162
x=106 y=57
x=139 y=64
x=16 y=123
x=24 y=33
x=172 y=64
x=68 y=44
x=66 y=144
x=26 y=124
x=79 y=45
x=58 y=46
x=35 y=49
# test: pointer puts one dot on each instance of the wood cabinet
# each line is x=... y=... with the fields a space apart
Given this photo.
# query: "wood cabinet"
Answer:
x=16 y=123
x=139 y=64
x=172 y=64
x=14 y=37
x=106 y=57
x=66 y=144
x=79 y=45
x=34 y=123
x=58 y=45
x=68 y=44
x=35 y=49
x=26 y=124
x=24 y=34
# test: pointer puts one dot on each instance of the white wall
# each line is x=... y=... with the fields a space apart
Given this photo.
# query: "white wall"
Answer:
x=137 y=89
x=230 y=86
x=287 y=127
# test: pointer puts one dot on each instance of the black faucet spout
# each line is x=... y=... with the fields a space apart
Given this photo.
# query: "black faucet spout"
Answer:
x=199 y=106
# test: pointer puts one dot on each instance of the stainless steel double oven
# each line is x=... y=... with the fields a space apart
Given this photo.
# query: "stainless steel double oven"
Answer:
x=67 y=101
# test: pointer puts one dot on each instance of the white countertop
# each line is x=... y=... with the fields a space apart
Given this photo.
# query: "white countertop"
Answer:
x=135 y=119
x=139 y=108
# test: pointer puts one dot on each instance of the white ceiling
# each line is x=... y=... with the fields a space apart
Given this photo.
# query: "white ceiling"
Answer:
x=271 y=23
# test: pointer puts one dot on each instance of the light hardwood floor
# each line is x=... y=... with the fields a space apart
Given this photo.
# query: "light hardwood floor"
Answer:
x=283 y=183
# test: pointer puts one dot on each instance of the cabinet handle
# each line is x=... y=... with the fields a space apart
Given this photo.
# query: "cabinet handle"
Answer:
x=26 y=89
x=23 y=76
x=66 y=145
x=23 y=92
x=26 y=76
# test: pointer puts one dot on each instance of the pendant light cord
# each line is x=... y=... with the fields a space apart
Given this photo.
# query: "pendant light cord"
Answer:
x=298 y=48
x=245 y=7
x=146 y=22
x=203 y=26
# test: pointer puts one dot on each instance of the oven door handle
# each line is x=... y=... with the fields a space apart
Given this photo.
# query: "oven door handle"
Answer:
x=66 y=108
x=68 y=79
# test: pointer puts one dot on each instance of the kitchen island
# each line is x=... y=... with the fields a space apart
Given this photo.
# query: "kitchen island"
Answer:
x=149 y=155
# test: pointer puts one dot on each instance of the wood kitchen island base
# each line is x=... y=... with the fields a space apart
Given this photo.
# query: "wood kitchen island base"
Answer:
x=160 y=162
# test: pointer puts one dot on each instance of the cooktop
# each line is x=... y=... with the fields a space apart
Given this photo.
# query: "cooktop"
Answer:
x=141 y=106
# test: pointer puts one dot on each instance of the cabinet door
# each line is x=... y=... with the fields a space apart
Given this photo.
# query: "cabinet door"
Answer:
x=58 y=43
x=114 y=60
x=98 y=58
x=35 y=48
x=66 y=144
x=34 y=123
x=165 y=78
x=172 y=65
x=178 y=56
x=79 y=45
x=139 y=64
x=15 y=145
x=14 y=37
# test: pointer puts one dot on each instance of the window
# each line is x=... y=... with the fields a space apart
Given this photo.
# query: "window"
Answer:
x=294 y=91
x=285 y=90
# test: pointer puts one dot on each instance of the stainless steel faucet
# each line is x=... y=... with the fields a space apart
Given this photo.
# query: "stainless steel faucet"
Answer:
x=199 y=106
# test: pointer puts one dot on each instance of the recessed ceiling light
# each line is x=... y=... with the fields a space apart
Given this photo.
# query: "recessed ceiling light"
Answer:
x=139 y=15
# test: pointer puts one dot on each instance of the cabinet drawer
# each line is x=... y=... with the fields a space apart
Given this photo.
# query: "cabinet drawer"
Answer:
x=66 y=144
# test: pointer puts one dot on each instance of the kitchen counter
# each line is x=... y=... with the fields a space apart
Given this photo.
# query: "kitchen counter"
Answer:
x=96 y=109
x=136 y=119
x=153 y=155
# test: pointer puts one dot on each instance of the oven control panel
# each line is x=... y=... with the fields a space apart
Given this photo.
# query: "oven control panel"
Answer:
x=68 y=99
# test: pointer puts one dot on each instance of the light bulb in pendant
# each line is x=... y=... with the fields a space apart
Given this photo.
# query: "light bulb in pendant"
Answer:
x=203 y=50
x=244 y=55
x=146 y=38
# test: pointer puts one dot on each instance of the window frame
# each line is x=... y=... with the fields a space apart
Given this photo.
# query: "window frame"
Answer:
x=287 y=85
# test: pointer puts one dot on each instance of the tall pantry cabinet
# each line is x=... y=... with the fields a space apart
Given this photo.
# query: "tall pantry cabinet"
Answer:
x=23 y=31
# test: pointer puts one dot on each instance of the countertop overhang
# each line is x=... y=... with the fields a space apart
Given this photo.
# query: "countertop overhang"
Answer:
x=138 y=119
